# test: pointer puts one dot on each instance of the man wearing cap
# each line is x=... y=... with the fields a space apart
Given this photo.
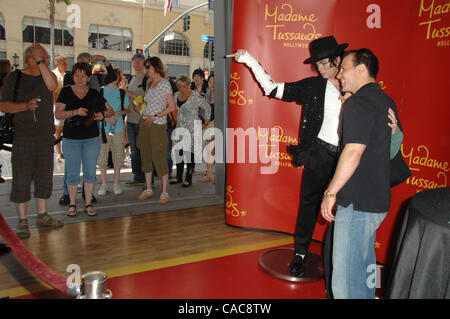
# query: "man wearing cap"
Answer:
x=136 y=86
x=318 y=149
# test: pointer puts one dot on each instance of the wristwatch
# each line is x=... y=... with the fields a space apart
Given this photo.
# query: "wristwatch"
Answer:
x=328 y=194
x=40 y=61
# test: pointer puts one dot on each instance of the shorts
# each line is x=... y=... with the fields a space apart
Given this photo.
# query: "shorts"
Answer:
x=116 y=145
x=153 y=144
x=31 y=161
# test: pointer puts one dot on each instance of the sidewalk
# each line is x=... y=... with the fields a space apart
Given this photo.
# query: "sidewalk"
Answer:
x=109 y=206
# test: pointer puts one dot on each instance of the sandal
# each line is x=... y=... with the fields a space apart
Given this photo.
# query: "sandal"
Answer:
x=45 y=220
x=206 y=179
x=23 y=229
x=72 y=212
x=146 y=194
x=91 y=211
x=164 y=198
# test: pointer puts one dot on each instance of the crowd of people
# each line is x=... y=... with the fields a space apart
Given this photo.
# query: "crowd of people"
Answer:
x=91 y=116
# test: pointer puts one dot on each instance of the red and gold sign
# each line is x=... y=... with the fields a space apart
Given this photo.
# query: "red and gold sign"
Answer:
x=411 y=40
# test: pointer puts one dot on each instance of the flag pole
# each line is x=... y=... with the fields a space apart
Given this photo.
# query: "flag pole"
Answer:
x=170 y=25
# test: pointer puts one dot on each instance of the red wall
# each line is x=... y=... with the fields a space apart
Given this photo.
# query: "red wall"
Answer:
x=413 y=54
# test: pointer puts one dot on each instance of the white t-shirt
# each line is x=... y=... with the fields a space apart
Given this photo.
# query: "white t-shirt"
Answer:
x=329 y=132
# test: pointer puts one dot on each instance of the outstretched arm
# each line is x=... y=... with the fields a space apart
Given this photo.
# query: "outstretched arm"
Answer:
x=264 y=79
x=397 y=134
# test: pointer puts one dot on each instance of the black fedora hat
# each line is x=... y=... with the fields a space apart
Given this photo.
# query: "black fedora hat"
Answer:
x=325 y=47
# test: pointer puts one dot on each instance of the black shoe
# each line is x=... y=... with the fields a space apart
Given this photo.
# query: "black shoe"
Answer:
x=186 y=184
x=2 y=180
x=64 y=200
x=297 y=266
x=175 y=181
x=4 y=248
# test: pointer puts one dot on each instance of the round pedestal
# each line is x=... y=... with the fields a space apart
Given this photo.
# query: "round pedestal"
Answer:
x=276 y=263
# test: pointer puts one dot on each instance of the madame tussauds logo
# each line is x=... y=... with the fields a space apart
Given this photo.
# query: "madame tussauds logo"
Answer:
x=434 y=11
x=281 y=16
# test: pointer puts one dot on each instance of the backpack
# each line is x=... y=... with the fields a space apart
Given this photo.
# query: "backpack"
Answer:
x=7 y=127
x=172 y=119
x=143 y=84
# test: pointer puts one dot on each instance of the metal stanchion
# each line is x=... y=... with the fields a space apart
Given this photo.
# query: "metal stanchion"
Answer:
x=93 y=286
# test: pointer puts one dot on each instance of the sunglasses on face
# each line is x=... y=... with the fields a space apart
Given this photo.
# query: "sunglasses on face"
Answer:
x=147 y=66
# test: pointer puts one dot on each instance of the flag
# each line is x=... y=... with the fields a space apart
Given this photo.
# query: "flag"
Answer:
x=167 y=6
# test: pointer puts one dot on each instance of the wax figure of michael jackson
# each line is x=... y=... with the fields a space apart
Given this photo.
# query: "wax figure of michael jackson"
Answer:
x=319 y=138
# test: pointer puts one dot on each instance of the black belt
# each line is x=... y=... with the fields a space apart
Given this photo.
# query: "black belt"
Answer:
x=328 y=146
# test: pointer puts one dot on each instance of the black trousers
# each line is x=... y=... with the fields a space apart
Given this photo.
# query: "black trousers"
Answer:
x=190 y=166
x=319 y=169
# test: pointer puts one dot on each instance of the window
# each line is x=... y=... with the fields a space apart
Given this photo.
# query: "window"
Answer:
x=38 y=30
x=125 y=66
x=174 y=69
x=2 y=28
x=206 y=51
x=2 y=55
x=177 y=46
x=110 y=38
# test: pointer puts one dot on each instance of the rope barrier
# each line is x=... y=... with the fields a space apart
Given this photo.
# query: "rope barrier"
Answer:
x=31 y=262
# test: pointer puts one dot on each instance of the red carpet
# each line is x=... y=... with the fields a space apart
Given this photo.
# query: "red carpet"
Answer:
x=232 y=277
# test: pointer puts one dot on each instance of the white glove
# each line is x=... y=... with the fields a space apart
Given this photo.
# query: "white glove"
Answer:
x=261 y=75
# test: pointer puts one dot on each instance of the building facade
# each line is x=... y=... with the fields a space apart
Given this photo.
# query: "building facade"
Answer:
x=113 y=28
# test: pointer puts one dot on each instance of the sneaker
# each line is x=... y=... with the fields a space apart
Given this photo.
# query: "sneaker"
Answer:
x=117 y=189
x=102 y=190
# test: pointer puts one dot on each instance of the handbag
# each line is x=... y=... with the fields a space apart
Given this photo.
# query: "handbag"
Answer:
x=7 y=127
x=400 y=172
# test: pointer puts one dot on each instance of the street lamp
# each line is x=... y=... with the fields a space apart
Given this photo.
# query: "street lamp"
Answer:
x=15 y=60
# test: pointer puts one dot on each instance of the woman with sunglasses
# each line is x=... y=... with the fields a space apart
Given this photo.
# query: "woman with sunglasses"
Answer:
x=152 y=138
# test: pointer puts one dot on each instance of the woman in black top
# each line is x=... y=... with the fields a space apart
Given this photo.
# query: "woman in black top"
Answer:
x=81 y=108
x=5 y=68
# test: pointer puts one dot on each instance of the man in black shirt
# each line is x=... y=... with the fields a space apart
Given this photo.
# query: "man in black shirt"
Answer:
x=360 y=186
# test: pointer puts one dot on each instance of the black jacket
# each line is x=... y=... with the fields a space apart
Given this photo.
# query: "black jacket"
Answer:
x=310 y=93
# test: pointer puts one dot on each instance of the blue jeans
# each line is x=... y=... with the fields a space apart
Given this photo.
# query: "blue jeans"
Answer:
x=354 y=260
x=135 y=155
x=76 y=153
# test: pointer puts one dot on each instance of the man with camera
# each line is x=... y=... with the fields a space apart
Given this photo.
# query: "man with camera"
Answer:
x=32 y=151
